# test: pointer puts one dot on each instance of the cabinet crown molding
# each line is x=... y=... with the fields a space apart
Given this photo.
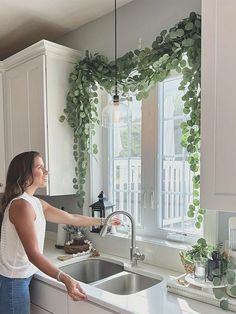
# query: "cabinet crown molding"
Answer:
x=43 y=47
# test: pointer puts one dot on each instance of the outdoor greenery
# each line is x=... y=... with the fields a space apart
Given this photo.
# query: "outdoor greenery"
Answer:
x=178 y=49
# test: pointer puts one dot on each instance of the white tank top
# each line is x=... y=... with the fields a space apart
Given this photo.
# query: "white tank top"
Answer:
x=14 y=262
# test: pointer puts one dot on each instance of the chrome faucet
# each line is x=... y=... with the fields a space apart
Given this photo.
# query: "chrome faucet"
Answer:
x=135 y=254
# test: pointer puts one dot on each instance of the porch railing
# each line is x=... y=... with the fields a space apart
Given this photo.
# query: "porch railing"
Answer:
x=176 y=189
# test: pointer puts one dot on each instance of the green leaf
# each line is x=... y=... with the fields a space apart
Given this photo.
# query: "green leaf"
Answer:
x=159 y=39
x=216 y=281
x=180 y=32
x=233 y=290
x=219 y=293
x=231 y=265
x=224 y=304
x=189 y=26
x=200 y=218
x=62 y=118
x=163 y=33
x=197 y=23
x=190 y=214
x=230 y=276
x=196 y=202
x=188 y=42
x=201 y=211
x=173 y=35
x=202 y=242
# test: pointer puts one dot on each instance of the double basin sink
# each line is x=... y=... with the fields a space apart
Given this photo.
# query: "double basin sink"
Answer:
x=109 y=276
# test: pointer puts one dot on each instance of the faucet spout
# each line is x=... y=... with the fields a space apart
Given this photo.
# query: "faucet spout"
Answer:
x=134 y=251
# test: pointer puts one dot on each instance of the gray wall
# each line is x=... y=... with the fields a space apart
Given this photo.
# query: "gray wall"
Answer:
x=67 y=201
x=139 y=19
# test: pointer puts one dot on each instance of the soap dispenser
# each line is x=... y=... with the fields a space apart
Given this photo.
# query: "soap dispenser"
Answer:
x=61 y=235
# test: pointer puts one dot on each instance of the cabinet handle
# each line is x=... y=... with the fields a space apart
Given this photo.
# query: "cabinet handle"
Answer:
x=145 y=199
x=152 y=200
x=1 y=185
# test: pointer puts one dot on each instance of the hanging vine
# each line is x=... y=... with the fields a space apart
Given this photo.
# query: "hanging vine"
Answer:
x=178 y=49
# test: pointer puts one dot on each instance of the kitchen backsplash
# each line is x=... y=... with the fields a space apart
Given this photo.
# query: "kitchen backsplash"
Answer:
x=67 y=201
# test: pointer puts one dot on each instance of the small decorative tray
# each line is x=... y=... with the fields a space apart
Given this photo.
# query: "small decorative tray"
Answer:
x=73 y=247
x=201 y=283
x=76 y=248
x=204 y=293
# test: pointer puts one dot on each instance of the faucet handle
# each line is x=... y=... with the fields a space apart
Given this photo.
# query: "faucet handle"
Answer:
x=138 y=255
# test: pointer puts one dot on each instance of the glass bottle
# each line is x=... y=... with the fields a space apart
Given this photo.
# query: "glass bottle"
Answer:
x=215 y=266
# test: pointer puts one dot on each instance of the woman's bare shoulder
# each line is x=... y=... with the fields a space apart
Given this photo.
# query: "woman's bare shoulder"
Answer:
x=21 y=207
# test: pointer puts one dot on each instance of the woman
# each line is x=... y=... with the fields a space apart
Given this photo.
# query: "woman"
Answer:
x=22 y=234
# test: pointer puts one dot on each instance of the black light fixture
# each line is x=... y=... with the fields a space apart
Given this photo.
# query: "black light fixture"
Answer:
x=116 y=113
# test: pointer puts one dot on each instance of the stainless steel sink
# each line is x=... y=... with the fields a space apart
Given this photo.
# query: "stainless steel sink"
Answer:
x=127 y=283
x=92 y=270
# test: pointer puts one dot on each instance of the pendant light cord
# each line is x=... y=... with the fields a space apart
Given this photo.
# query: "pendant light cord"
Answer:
x=115 y=52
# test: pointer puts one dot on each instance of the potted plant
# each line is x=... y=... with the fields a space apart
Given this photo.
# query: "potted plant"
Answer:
x=200 y=251
x=77 y=234
x=223 y=274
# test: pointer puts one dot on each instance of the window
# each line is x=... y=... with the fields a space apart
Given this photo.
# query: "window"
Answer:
x=125 y=164
x=175 y=177
x=147 y=172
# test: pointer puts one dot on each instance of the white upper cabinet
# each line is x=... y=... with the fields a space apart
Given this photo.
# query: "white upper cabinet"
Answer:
x=36 y=89
x=2 y=140
x=218 y=128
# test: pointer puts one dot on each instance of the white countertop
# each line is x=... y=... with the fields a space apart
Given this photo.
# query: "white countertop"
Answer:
x=150 y=301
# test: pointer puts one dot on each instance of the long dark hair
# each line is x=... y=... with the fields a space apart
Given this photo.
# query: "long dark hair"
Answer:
x=18 y=178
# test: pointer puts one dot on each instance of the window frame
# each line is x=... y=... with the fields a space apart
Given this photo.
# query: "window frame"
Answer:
x=98 y=164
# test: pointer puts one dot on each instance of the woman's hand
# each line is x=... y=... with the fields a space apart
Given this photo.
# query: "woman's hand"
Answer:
x=115 y=221
x=73 y=287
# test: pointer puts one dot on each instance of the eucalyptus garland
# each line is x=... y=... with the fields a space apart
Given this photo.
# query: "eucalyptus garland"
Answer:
x=138 y=71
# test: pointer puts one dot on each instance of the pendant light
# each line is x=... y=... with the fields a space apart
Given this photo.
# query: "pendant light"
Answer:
x=116 y=114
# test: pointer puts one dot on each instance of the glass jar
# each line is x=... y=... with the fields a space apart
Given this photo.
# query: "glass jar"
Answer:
x=200 y=271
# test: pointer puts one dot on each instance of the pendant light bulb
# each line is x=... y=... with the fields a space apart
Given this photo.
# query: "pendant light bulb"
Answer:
x=116 y=117
x=116 y=114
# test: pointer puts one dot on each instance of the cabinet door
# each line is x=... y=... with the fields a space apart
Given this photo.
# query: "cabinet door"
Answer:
x=37 y=310
x=35 y=98
x=48 y=297
x=218 y=128
x=2 y=139
x=25 y=105
x=60 y=137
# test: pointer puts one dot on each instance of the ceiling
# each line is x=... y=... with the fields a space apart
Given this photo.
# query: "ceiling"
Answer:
x=25 y=22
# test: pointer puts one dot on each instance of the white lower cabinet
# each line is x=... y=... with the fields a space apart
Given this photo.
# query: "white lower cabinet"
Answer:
x=87 y=307
x=37 y=310
x=47 y=299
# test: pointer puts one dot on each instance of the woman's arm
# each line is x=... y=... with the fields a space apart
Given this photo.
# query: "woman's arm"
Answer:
x=56 y=215
x=22 y=215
